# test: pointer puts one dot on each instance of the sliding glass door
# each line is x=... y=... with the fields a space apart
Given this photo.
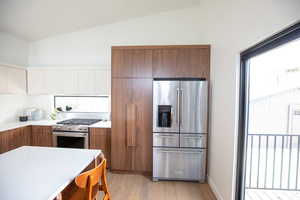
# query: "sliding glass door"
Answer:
x=269 y=130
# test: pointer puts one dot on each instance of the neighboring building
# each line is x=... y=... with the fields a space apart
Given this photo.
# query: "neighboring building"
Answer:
x=276 y=114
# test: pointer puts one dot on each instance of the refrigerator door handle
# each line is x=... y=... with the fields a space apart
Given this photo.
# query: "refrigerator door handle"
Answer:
x=178 y=107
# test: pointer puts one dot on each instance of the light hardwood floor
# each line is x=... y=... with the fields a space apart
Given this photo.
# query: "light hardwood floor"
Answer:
x=138 y=187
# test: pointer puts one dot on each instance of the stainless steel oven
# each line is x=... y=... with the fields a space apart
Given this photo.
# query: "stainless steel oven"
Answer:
x=71 y=140
x=73 y=133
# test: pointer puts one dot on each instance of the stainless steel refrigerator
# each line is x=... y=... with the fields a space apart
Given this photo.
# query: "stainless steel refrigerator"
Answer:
x=180 y=129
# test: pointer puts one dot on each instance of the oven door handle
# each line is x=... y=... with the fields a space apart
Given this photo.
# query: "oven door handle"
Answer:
x=70 y=134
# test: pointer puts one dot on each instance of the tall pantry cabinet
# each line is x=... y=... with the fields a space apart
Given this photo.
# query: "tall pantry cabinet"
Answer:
x=131 y=110
x=133 y=69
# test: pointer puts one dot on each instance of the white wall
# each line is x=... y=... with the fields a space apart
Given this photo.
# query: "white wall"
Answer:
x=229 y=26
x=13 y=50
x=12 y=106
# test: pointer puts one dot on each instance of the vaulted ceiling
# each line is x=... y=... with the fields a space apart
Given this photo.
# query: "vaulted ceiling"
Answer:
x=38 y=19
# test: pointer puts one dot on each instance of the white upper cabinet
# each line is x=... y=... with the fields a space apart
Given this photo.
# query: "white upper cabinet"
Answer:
x=3 y=80
x=12 y=80
x=86 y=82
x=68 y=81
x=103 y=82
x=36 y=82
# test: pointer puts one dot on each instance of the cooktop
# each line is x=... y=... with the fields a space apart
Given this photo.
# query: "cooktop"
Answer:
x=79 y=121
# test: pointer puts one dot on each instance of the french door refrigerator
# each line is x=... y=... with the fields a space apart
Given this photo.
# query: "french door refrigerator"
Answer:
x=180 y=129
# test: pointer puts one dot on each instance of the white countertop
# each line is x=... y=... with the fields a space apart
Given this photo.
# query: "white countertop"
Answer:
x=13 y=125
x=41 y=173
x=9 y=126
x=106 y=124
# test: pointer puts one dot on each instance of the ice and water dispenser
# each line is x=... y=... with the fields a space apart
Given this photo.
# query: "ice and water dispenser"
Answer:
x=164 y=116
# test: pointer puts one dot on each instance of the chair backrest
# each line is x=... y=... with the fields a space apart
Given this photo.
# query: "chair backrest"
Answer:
x=89 y=179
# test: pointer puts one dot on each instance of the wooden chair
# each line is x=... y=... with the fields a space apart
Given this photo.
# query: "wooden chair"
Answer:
x=89 y=185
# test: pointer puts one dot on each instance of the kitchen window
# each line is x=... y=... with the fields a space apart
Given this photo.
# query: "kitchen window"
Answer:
x=80 y=104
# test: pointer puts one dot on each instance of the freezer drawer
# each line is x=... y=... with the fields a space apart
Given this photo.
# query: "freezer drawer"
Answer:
x=179 y=164
x=193 y=140
x=165 y=140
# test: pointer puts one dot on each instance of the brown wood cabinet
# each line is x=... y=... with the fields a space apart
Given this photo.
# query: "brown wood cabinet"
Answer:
x=42 y=136
x=131 y=63
x=133 y=69
x=15 y=138
x=181 y=62
x=100 y=139
x=132 y=125
x=173 y=61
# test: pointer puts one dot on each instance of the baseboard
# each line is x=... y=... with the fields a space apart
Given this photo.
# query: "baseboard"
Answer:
x=214 y=189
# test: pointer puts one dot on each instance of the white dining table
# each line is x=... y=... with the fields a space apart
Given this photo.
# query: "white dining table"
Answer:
x=40 y=173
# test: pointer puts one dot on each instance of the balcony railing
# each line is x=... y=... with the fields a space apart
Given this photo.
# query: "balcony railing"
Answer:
x=273 y=162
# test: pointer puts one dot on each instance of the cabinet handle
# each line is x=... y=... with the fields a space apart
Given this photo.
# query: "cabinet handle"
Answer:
x=131 y=125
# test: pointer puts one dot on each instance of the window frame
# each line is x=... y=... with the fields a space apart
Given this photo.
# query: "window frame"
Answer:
x=55 y=96
x=287 y=35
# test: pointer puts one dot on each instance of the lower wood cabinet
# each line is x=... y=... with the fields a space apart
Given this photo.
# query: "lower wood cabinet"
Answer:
x=15 y=138
x=41 y=136
x=100 y=139
x=131 y=137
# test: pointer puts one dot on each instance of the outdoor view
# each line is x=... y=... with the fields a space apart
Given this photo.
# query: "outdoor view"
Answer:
x=273 y=165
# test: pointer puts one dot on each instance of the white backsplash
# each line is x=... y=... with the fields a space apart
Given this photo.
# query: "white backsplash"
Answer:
x=100 y=115
x=12 y=106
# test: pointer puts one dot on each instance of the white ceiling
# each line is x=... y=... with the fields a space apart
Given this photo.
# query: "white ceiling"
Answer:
x=38 y=19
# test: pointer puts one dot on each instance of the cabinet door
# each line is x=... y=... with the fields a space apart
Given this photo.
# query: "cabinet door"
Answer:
x=12 y=80
x=16 y=81
x=102 y=82
x=132 y=125
x=165 y=63
x=142 y=99
x=181 y=62
x=25 y=134
x=41 y=136
x=4 y=141
x=100 y=139
x=37 y=81
x=132 y=63
x=3 y=80
x=194 y=62
x=15 y=138
x=86 y=82
x=11 y=140
x=121 y=156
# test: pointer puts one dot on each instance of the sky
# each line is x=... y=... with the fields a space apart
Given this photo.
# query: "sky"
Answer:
x=275 y=71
